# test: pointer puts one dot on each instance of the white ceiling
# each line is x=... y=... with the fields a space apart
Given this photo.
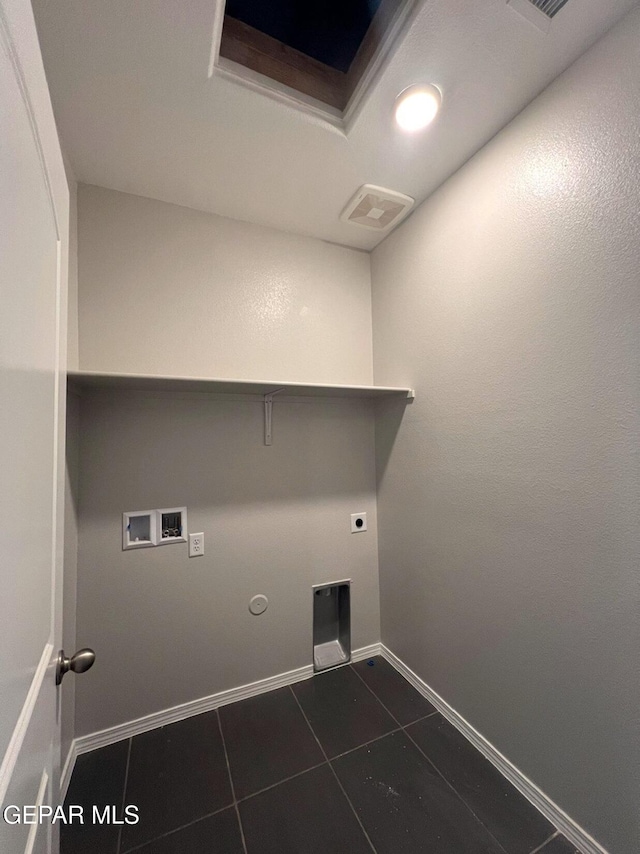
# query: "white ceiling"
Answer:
x=137 y=111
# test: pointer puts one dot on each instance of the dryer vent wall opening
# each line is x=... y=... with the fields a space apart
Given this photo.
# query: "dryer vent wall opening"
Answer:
x=331 y=625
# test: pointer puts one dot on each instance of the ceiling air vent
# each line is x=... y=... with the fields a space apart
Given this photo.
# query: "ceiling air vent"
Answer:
x=537 y=12
x=376 y=208
x=548 y=7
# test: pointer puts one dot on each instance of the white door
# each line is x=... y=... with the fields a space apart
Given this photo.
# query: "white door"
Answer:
x=34 y=208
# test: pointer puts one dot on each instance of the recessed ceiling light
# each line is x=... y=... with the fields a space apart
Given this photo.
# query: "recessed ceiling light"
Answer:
x=417 y=106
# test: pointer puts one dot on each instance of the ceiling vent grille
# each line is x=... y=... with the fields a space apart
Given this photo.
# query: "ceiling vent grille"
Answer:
x=548 y=7
x=376 y=208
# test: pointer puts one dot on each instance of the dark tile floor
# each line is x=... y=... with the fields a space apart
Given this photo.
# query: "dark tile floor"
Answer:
x=349 y=762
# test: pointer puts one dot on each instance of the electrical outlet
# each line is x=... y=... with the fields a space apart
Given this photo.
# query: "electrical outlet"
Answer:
x=196 y=545
x=358 y=522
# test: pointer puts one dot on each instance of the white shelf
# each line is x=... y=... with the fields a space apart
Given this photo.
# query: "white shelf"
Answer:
x=147 y=382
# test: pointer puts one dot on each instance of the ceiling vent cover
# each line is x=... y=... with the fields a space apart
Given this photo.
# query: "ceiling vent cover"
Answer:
x=548 y=7
x=376 y=208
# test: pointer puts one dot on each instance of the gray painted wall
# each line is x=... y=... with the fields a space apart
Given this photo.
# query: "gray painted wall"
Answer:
x=168 y=629
x=169 y=290
x=508 y=504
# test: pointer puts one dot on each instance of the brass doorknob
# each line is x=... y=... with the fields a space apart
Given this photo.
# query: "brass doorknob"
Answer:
x=79 y=663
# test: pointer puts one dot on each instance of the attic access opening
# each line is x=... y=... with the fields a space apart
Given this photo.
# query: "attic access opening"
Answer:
x=320 y=48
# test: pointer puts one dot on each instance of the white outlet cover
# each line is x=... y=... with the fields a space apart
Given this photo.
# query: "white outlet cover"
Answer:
x=196 y=545
x=358 y=522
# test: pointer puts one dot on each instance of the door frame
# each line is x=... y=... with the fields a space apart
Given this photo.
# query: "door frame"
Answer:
x=19 y=38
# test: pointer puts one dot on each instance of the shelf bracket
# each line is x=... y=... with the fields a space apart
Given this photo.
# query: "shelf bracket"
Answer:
x=268 y=416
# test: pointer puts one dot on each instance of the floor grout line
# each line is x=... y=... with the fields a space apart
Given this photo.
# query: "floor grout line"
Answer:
x=233 y=791
x=337 y=779
x=124 y=794
x=429 y=760
x=285 y=780
x=237 y=801
x=373 y=693
x=453 y=789
x=546 y=842
x=176 y=830
x=423 y=718
x=401 y=725
x=365 y=744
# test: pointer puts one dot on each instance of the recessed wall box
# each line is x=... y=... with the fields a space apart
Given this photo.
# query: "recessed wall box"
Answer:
x=331 y=624
x=139 y=529
x=172 y=525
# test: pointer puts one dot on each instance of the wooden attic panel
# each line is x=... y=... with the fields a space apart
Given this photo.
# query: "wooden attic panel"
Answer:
x=249 y=47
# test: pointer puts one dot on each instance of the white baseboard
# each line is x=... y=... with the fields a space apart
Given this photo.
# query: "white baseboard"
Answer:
x=564 y=823
x=579 y=837
x=366 y=652
x=102 y=738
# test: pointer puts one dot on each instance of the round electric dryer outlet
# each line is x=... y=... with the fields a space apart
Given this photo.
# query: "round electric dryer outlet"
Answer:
x=258 y=604
x=358 y=522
